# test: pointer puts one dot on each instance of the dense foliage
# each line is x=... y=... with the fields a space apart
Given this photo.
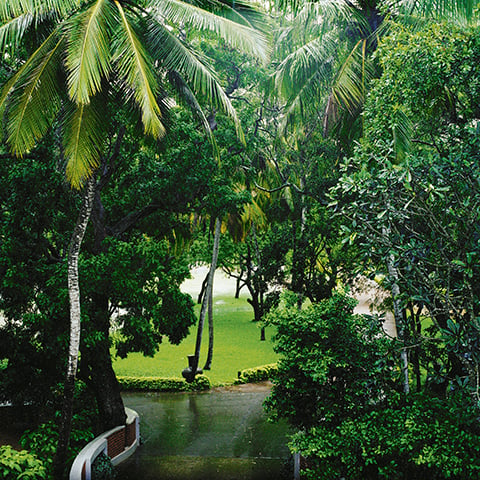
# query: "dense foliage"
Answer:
x=408 y=202
x=337 y=384
x=414 y=437
x=423 y=215
x=334 y=365
x=358 y=154
x=14 y=464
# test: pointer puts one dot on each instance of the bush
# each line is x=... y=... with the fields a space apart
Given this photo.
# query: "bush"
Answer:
x=160 y=384
x=42 y=440
x=414 y=437
x=333 y=364
x=257 y=374
x=15 y=465
x=102 y=468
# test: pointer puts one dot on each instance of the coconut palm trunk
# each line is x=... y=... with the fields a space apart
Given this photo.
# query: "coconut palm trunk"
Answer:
x=65 y=424
x=216 y=248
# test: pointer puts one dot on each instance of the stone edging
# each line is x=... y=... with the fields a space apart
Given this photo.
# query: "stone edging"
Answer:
x=118 y=444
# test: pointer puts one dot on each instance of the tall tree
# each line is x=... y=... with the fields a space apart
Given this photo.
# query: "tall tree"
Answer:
x=415 y=218
x=213 y=266
x=83 y=52
x=326 y=59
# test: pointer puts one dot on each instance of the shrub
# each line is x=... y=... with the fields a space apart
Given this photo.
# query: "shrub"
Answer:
x=17 y=465
x=102 y=468
x=42 y=440
x=333 y=364
x=414 y=437
x=163 y=384
x=257 y=374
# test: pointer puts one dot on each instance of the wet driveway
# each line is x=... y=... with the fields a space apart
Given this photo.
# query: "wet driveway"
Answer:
x=219 y=434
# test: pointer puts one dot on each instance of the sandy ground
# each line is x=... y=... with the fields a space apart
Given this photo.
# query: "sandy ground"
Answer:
x=367 y=292
x=222 y=284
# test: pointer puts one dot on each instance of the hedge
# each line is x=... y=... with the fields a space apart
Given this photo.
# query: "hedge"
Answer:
x=160 y=384
x=257 y=374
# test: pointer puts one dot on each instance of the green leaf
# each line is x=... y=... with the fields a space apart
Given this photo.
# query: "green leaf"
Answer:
x=13 y=29
x=136 y=68
x=176 y=56
x=83 y=140
x=88 y=55
x=34 y=96
x=237 y=34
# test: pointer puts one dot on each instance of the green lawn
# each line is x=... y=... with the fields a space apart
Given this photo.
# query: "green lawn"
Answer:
x=237 y=346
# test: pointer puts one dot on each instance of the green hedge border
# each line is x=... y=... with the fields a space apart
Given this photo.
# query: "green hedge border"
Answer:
x=257 y=374
x=201 y=382
x=159 y=384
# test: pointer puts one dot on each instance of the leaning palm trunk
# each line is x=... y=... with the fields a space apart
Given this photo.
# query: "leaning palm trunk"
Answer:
x=74 y=342
x=208 y=362
x=216 y=247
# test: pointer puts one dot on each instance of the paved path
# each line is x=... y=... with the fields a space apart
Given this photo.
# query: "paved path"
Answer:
x=221 y=434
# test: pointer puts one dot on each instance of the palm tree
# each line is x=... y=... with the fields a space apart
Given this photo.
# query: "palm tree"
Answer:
x=328 y=63
x=326 y=60
x=84 y=52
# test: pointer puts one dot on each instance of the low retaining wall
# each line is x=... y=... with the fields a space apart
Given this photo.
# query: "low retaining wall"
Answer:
x=118 y=444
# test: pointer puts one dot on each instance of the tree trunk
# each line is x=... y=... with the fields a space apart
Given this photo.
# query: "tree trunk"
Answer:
x=107 y=389
x=208 y=362
x=203 y=288
x=96 y=362
x=262 y=334
x=96 y=367
x=192 y=370
x=216 y=247
x=397 y=312
x=238 y=284
x=255 y=303
x=298 y=254
x=65 y=424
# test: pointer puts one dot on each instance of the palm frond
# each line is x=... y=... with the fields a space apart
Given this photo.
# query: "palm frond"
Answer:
x=239 y=35
x=351 y=80
x=88 y=55
x=37 y=8
x=33 y=96
x=174 y=55
x=189 y=97
x=237 y=11
x=298 y=67
x=301 y=103
x=253 y=213
x=13 y=29
x=328 y=13
x=136 y=69
x=304 y=75
x=462 y=11
x=83 y=140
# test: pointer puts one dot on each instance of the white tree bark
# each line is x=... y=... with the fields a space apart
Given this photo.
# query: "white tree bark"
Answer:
x=397 y=313
x=75 y=326
x=211 y=276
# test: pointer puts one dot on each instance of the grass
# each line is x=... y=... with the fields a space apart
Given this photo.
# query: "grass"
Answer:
x=237 y=346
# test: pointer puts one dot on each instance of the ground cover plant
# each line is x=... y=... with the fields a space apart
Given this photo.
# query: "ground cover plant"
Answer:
x=237 y=347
